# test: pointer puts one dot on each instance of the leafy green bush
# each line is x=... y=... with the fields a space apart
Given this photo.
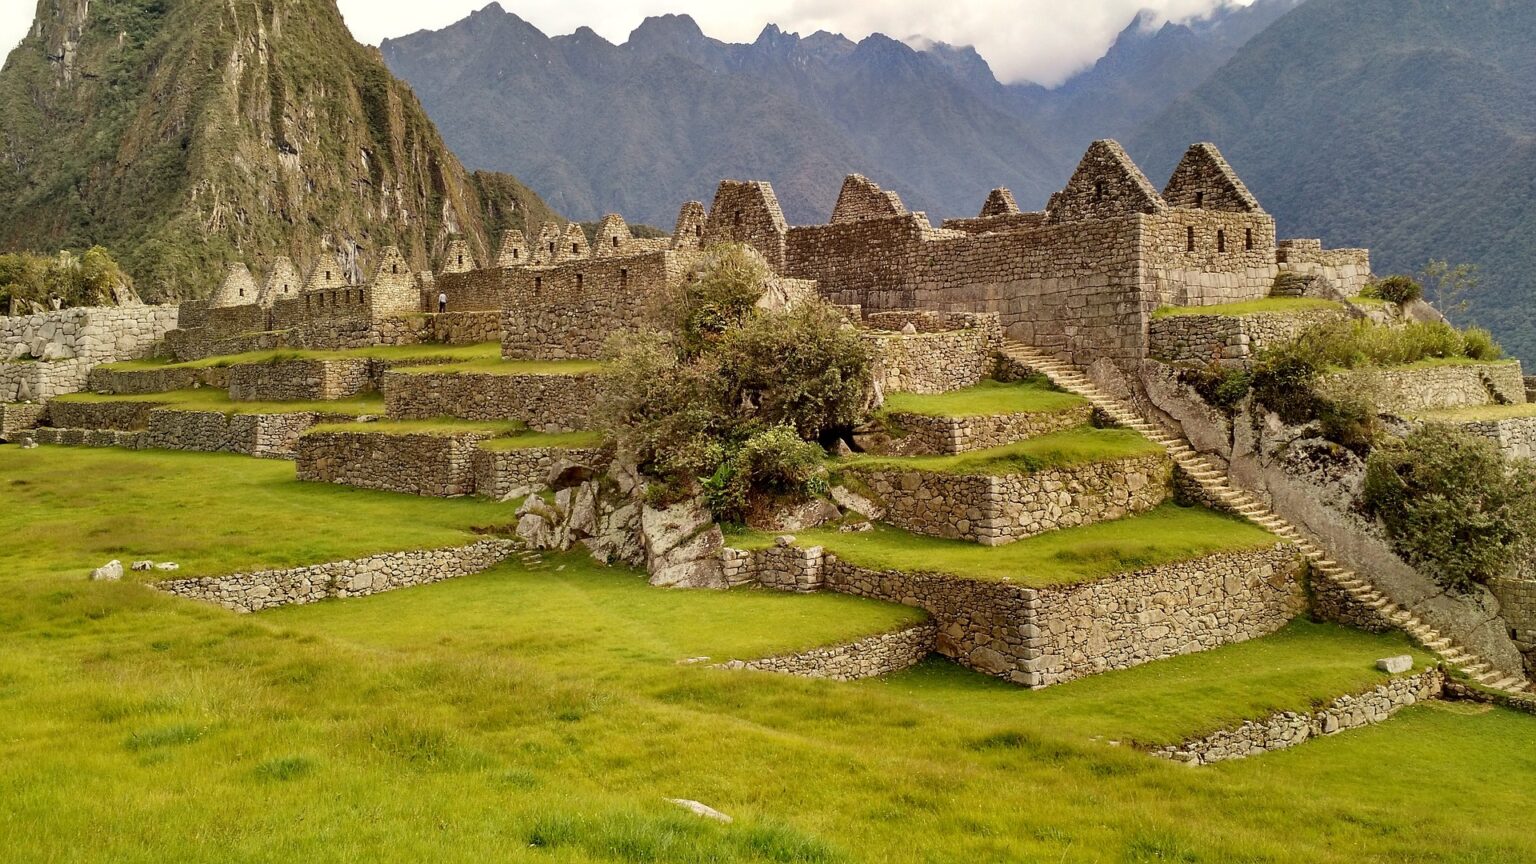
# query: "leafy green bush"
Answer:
x=1221 y=386
x=90 y=279
x=1396 y=289
x=719 y=294
x=777 y=462
x=1478 y=344
x=1351 y=423
x=1452 y=505
x=1285 y=379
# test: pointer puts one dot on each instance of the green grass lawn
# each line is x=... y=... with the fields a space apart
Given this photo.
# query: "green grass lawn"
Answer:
x=536 y=440
x=211 y=399
x=1163 y=536
x=543 y=716
x=1250 y=307
x=401 y=353
x=986 y=399
x=439 y=426
x=498 y=366
x=1065 y=449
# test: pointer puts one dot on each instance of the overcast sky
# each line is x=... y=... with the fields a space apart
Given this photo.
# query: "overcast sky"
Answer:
x=1024 y=40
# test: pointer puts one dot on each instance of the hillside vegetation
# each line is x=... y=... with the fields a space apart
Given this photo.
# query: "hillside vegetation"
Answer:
x=183 y=135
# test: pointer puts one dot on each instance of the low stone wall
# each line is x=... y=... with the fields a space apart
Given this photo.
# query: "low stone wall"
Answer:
x=18 y=418
x=866 y=658
x=995 y=510
x=1348 y=269
x=299 y=380
x=1516 y=436
x=932 y=362
x=253 y=592
x=923 y=435
x=437 y=466
x=1413 y=390
x=1330 y=602
x=39 y=382
x=1517 y=606
x=192 y=341
x=1037 y=637
x=139 y=382
x=1288 y=729
x=126 y=416
x=266 y=436
x=1230 y=339
x=128 y=440
x=507 y=474
x=547 y=403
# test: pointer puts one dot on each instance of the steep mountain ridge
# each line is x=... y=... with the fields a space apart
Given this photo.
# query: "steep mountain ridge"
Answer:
x=184 y=135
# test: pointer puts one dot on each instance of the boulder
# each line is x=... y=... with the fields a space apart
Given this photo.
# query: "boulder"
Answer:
x=682 y=546
x=1395 y=665
x=567 y=473
x=168 y=566
x=701 y=810
x=852 y=501
x=112 y=571
x=143 y=566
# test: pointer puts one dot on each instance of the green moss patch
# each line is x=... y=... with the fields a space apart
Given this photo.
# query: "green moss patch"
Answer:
x=987 y=399
x=1270 y=305
x=1081 y=446
x=1167 y=535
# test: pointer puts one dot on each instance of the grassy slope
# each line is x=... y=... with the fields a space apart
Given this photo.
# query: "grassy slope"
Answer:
x=210 y=399
x=1163 y=536
x=1057 y=450
x=1250 y=307
x=541 y=716
x=984 y=400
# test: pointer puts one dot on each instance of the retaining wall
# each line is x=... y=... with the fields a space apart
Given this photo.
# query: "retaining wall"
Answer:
x=546 y=403
x=1230 y=339
x=18 y=418
x=507 y=474
x=866 y=658
x=1516 y=436
x=253 y=592
x=1414 y=390
x=995 y=510
x=299 y=380
x=923 y=435
x=1288 y=729
x=437 y=466
x=933 y=362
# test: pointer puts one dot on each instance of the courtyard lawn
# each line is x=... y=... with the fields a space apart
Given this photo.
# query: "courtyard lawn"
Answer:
x=429 y=353
x=1065 y=449
x=210 y=399
x=987 y=399
x=1250 y=307
x=542 y=715
x=1166 y=535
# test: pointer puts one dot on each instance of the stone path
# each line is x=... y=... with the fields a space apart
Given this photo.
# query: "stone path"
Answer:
x=1214 y=482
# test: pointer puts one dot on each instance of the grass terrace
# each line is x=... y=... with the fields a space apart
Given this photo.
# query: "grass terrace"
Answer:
x=430 y=353
x=542 y=715
x=210 y=399
x=538 y=441
x=1474 y=413
x=1082 y=446
x=1166 y=535
x=1270 y=305
x=497 y=366
x=987 y=399
x=443 y=426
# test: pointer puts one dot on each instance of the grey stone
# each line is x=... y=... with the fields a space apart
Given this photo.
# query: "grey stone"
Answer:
x=112 y=571
x=1395 y=665
x=702 y=810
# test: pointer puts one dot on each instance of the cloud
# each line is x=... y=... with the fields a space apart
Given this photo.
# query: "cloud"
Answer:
x=1045 y=41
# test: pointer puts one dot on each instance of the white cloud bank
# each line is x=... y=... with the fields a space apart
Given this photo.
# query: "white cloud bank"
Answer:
x=1024 y=40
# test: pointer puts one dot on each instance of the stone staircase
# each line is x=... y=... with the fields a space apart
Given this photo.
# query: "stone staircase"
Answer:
x=1214 y=482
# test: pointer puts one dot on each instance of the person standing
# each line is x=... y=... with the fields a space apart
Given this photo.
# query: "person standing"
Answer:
x=442 y=302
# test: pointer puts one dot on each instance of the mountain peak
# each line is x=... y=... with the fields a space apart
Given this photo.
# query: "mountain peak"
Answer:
x=667 y=30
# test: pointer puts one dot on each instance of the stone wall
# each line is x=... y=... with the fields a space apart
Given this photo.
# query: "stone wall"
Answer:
x=1517 y=606
x=138 y=382
x=100 y=334
x=995 y=510
x=125 y=416
x=922 y=435
x=437 y=466
x=931 y=362
x=1288 y=729
x=867 y=658
x=265 y=436
x=508 y=474
x=28 y=381
x=1042 y=636
x=1516 y=436
x=1230 y=339
x=16 y=418
x=203 y=333
x=253 y=592
x=1416 y=389
x=568 y=311
x=299 y=380
x=546 y=403
x=1348 y=269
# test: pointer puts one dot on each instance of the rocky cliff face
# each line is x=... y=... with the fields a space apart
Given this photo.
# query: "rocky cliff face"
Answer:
x=187 y=134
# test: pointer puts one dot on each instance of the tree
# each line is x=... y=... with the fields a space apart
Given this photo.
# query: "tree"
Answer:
x=1451 y=289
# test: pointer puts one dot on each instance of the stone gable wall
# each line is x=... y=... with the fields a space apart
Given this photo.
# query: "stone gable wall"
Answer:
x=254 y=592
x=922 y=435
x=1412 y=390
x=299 y=380
x=867 y=658
x=1230 y=339
x=998 y=510
x=1222 y=268
x=435 y=466
x=569 y=311
x=1288 y=729
x=546 y=403
x=506 y=474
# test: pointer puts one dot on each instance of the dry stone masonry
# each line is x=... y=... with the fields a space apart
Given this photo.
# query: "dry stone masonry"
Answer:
x=924 y=435
x=867 y=658
x=546 y=403
x=437 y=466
x=1415 y=390
x=1230 y=339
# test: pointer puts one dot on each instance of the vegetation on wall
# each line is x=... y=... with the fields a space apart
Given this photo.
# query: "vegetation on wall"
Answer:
x=1453 y=506
x=733 y=399
x=33 y=282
